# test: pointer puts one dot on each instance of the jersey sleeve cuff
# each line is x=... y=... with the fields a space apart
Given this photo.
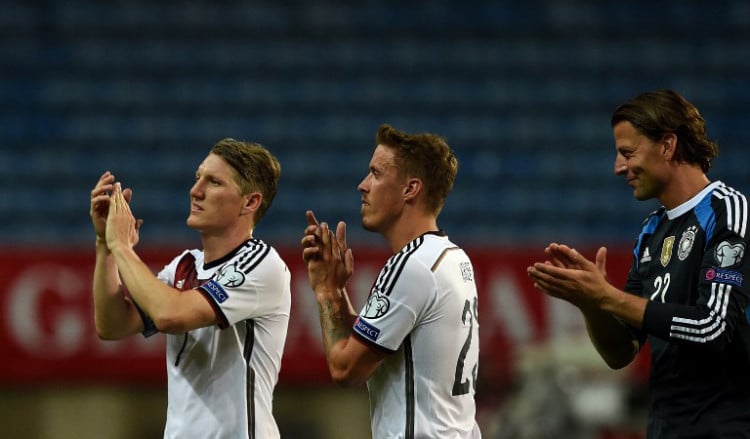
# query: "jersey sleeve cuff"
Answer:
x=221 y=319
x=149 y=327
x=367 y=342
x=657 y=319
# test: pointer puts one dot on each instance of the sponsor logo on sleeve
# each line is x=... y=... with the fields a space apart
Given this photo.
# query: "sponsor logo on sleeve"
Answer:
x=724 y=276
x=729 y=254
x=366 y=330
x=216 y=291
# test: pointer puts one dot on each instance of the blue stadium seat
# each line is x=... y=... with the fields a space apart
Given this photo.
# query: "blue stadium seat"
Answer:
x=523 y=93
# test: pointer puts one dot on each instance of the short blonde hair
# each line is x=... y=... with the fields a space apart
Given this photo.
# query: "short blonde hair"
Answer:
x=256 y=169
x=425 y=156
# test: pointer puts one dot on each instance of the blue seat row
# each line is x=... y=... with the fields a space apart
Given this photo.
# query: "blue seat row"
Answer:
x=523 y=92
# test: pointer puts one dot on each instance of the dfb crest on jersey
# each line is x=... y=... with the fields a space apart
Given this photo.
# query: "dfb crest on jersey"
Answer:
x=377 y=305
x=666 y=250
x=729 y=254
x=686 y=242
x=230 y=276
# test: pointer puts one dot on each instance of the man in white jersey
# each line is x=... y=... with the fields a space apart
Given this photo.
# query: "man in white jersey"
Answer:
x=416 y=340
x=225 y=308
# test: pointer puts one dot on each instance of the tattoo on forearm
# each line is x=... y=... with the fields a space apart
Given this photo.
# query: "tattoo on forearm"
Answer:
x=333 y=324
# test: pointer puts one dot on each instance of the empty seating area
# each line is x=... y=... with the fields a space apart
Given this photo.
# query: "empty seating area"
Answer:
x=523 y=92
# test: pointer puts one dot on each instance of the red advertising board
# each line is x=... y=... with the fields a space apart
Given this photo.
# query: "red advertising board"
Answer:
x=48 y=335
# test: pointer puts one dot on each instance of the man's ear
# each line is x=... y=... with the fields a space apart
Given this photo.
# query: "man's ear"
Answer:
x=252 y=202
x=413 y=188
x=669 y=143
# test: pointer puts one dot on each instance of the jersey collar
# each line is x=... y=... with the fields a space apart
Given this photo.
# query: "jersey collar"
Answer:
x=691 y=203
x=223 y=259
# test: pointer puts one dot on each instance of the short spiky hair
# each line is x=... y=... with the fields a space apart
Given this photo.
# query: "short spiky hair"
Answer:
x=256 y=169
x=425 y=156
x=657 y=113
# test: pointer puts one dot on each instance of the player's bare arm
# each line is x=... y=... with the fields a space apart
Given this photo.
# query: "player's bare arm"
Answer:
x=585 y=286
x=330 y=263
x=171 y=310
x=328 y=275
x=100 y=203
x=569 y=276
x=115 y=315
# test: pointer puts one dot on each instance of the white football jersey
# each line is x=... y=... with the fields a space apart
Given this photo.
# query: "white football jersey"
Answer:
x=423 y=309
x=221 y=378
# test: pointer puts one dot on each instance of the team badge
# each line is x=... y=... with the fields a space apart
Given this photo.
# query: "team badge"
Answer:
x=728 y=254
x=230 y=276
x=686 y=243
x=377 y=305
x=666 y=250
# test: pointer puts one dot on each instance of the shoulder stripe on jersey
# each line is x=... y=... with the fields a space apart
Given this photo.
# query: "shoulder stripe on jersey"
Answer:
x=706 y=216
x=391 y=266
x=409 y=388
x=440 y=258
x=395 y=265
x=736 y=204
x=705 y=330
x=253 y=256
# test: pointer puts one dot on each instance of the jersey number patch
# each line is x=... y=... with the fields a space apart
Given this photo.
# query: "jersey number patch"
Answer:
x=661 y=284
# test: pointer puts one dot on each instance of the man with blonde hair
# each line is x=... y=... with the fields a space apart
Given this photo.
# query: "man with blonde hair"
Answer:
x=416 y=341
x=224 y=308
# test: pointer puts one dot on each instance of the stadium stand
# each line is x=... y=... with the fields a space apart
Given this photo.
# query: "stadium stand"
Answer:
x=523 y=91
